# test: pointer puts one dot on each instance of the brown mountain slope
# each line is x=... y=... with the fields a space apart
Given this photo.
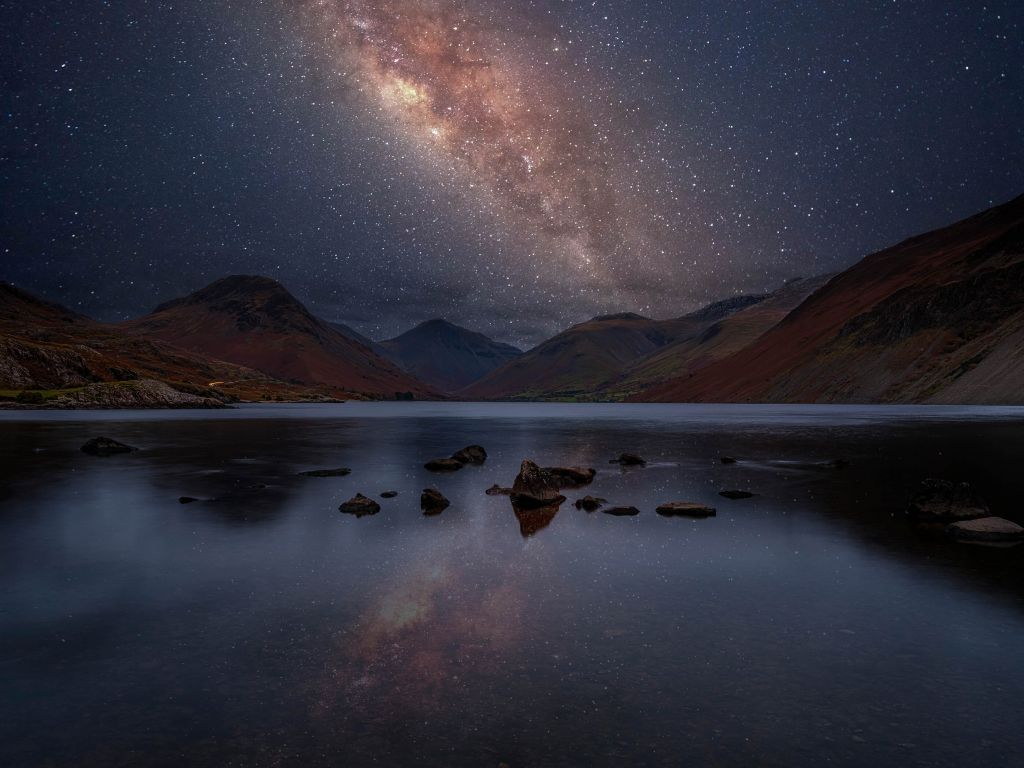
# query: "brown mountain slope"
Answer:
x=46 y=346
x=717 y=341
x=937 y=318
x=578 y=361
x=447 y=356
x=255 y=322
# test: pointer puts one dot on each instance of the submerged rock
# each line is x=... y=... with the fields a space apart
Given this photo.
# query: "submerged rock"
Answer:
x=187 y=499
x=590 y=503
x=433 y=502
x=339 y=472
x=629 y=460
x=986 y=529
x=471 y=454
x=728 y=459
x=571 y=477
x=737 y=494
x=389 y=494
x=535 y=487
x=686 y=509
x=945 y=501
x=443 y=465
x=360 y=506
x=104 y=446
x=497 y=490
x=621 y=511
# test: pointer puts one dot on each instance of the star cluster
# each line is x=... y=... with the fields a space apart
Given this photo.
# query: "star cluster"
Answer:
x=515 y=167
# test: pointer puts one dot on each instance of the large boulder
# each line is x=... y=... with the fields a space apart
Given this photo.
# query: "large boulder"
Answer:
x=986 y=529
x=571 y=477
x=360 y=506
x=433 y=502
x=685 y=509
x=535 y=487
x=104 y=446
x=471 y=454
x=944 y=501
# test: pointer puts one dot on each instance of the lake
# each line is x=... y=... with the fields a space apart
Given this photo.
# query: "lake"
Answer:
x=809 y=625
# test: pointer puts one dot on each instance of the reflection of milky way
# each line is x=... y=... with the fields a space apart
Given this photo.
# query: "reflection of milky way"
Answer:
x=529 y=147
x=418 y=639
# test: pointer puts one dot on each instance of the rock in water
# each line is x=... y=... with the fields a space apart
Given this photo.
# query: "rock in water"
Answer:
x=621 y=511
x=471 y=454
x=590 y=503
x=389 y=494
x=535 y=487
x=104 y=446
x=443 y=465
x=571 y=477
x=986 y=529
x=737 y=494
x=433 y=502
x=945 y=501
x=728 y=460
x=360 y=506
x=187 y=499
x=629 y=460
x=339 y=472
x=685 y=509
x=497 y=490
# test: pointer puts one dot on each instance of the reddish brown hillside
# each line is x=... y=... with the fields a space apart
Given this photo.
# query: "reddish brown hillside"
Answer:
x=905 y=324
x=255 y=322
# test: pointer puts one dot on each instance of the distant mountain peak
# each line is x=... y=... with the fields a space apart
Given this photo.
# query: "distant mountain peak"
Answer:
x=618 y=316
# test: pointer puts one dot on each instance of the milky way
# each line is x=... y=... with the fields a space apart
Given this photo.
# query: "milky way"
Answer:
x=472 y=90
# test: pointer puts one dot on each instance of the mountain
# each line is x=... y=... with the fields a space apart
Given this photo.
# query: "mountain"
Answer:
x=722 y=337
x=580 y=360
x=44 y=346
x=255 y=322
x=938 y=318
x=447 y=356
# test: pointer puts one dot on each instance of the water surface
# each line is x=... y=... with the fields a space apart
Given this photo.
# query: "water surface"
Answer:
x=809 y=625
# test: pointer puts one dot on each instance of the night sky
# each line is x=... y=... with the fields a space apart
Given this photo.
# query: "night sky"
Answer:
x=513 y=166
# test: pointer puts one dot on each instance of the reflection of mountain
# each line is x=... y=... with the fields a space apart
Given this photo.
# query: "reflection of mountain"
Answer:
x=938 y=318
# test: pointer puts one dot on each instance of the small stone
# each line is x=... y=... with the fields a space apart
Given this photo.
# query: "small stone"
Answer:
x=590 y=503
x=986 y=529
x=433 y=502
x=187 y=500
x=360 y=506
x=728 y=460
x=443 y=465
x=629 y=460
x=104 y=446
x=685 y=509
x=737 y=494
x=339 y=472
x=621 y=511
x=497 y=490
x=389 y=494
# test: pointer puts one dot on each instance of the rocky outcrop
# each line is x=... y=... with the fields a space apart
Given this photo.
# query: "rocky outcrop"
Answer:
x=433 y=502
x=685 y=509
x=145 y=393
x=360 y=506
x=989 y=529
x=535 y=487
x=945 y=501
x=105 y=446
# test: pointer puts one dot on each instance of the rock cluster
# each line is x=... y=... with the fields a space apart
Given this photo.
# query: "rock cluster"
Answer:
x=471 y=454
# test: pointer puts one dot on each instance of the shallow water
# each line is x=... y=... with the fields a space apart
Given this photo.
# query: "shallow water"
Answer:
x=809 y=625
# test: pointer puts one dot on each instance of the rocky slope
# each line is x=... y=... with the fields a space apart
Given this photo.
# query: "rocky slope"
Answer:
x=447 y=356
x=579 y=361
x=256 y=323
x=938 y=318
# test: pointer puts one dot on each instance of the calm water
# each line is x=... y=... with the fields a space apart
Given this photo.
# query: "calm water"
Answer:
x=809 y=626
